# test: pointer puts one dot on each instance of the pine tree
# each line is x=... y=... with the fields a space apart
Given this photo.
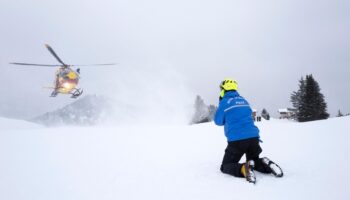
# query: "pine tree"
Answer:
x=212 y=111
x=310 y=102
x=340 y=114
x=265 y=114
x=296 y=97
x=201 y=113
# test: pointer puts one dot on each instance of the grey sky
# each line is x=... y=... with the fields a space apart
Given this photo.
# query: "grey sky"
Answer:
x=265 y=45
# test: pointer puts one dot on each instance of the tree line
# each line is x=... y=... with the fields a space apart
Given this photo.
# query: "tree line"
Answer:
x=308 y=102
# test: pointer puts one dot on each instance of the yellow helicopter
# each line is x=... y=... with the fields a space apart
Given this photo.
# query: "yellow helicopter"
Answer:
x=66 y=79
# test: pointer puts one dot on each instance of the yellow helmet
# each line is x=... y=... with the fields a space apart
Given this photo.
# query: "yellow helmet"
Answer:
x=229 y=84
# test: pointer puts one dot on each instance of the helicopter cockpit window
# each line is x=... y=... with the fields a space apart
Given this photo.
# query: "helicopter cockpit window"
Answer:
x=64 y=72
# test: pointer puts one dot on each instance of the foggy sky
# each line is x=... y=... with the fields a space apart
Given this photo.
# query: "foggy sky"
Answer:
x=265 y=45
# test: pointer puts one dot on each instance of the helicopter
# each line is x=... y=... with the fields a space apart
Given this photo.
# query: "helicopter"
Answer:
x=66 y=79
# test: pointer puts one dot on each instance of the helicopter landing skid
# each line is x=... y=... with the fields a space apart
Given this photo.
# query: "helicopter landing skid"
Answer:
x=77 y=93
x=54 y=93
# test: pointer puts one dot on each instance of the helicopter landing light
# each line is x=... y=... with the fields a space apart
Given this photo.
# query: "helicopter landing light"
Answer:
x=68 y=86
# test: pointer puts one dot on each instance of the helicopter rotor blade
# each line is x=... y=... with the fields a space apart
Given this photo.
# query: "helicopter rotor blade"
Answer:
x=30 y=64
x=93 y=65
x=54 y=54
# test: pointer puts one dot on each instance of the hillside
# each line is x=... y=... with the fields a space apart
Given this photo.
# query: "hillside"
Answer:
x=14 y=124
x=88 y=110
x=169 y=162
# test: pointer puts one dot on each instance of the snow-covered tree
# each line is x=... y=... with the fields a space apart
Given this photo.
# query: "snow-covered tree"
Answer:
x=340 y=114
x=202 y=112
x=212 y=111
x=309 y=101
x=265 y=114
x=296 y=97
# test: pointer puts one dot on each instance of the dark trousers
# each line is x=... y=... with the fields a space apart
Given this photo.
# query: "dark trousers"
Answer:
x=234 y=152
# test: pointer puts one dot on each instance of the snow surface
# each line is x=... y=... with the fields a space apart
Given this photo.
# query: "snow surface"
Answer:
x=168 y=162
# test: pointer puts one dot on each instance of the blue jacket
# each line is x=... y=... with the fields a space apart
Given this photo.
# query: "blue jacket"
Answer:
x=235 y=114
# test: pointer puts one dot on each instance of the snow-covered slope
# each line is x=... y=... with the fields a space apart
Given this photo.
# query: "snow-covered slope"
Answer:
x=97 y=110
x=14 y=124
x=170 y=162
x=88 y=110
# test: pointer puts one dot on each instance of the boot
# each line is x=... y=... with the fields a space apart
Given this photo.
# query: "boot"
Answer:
x=275 y=169
x=247 y=171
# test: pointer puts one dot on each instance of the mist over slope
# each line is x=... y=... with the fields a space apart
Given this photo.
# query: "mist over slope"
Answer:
x=143 y=94
x=150 y=104
x=88 y=110
x=127 y=96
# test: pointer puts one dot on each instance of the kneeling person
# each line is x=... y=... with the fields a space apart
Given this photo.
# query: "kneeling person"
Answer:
x=235 y=114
